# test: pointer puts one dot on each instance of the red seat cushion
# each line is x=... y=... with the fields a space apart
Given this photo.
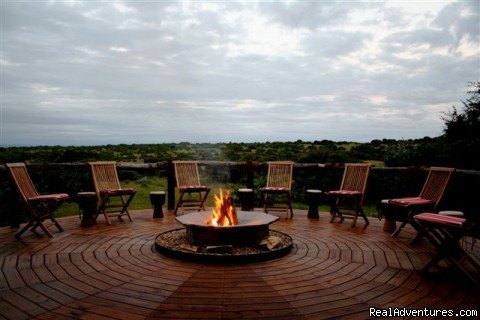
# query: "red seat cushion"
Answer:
x=440 y=219
x=117 y=192
x=46 y=197
x=274 y=189
x=344 y=193
x=194 y=188
x=410 y=201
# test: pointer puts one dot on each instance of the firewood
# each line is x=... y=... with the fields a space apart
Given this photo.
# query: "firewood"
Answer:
x=270 y=243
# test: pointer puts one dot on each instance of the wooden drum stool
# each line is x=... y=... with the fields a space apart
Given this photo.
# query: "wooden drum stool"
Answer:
x=246 y=199
x=87 y=202
x=157 y=198
x=313 y=200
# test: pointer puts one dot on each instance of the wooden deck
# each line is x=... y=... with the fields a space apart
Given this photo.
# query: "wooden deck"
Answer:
x=333 y=271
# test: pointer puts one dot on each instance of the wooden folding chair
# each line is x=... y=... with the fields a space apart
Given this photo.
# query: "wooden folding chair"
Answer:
x=38 y=207
x=192 y=193
x=445 y=233
x=113 y=199
x=279 y=187
x=347 y=202
x=404 y=209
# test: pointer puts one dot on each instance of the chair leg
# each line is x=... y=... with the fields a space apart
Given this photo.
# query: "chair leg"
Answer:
x=289 y=199
x=125 y=206
x=473 y=263
x=355 y=217
x=128 y=215
x=439 y=256
x=103 y=210
x=176 y=208
x=269 y=201
x=59 y=227
x=203 y=199
x=450 y=251
x=179 y=202
x=106 y=217
x=335 y=212
x=39 y=223
x=48 y=233
x=397 y=231
x=364 y=216
x=265 y=200
x=420 y=234
x=28 y=225
x=200 y=207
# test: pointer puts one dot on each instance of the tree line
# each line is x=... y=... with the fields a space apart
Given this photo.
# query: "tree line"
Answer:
x=456 y=147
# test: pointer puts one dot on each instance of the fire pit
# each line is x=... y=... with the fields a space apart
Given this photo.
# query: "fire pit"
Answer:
x=224 y=235
x=251 y=229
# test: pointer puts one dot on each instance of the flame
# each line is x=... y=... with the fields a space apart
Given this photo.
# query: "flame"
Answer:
x=224 y=213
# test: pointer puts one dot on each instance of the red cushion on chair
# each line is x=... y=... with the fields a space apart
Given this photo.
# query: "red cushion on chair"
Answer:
x=409 y=201
x=440 y=219
x=274 y=189
x=344 y=193
x=113 y=192
x=45 y=197
x=194 y=188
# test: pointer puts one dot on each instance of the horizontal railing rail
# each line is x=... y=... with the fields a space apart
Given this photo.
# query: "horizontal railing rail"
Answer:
x=384 y=182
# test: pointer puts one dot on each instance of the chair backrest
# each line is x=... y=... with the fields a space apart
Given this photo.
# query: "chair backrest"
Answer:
x=22 y=181
x=186 y=173
x=436 y=184
x=355 y=177
x=104 y=175
x=280 y=174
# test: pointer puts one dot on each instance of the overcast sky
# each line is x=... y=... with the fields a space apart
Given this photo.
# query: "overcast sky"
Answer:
x=90 y=73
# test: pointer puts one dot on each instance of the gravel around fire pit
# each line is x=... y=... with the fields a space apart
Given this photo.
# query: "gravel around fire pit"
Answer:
x=174 y=243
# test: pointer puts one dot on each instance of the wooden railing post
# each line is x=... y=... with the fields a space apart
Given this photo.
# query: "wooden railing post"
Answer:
x=250 y=175
x=170 y=185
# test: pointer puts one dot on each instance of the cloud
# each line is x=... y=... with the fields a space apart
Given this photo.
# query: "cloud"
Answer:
x=142 y=72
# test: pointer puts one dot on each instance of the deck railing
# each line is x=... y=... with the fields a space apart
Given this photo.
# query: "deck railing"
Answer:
x=384 y=182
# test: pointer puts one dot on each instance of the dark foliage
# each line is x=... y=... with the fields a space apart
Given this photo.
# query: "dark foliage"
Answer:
x=457 y=147
x=462 y=131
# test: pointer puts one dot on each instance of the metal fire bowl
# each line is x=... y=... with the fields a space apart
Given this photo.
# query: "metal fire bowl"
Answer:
x=252 y=228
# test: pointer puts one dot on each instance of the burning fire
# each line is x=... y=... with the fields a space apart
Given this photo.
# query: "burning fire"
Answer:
x=224 y=213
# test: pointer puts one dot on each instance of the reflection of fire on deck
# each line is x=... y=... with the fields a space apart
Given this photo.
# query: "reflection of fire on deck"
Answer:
x=224 y=232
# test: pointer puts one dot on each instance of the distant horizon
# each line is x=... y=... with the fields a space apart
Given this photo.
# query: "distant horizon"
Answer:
x=218 y=142
x=86 y=73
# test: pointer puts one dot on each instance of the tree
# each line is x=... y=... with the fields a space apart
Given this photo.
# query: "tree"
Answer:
x=457 y=147
x=462 y=131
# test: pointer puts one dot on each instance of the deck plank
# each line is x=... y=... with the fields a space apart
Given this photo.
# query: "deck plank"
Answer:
x=9 y=311
x=37 y=298
x=114 y=272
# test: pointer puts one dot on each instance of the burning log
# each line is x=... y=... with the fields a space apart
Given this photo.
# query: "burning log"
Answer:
x=224 y=213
